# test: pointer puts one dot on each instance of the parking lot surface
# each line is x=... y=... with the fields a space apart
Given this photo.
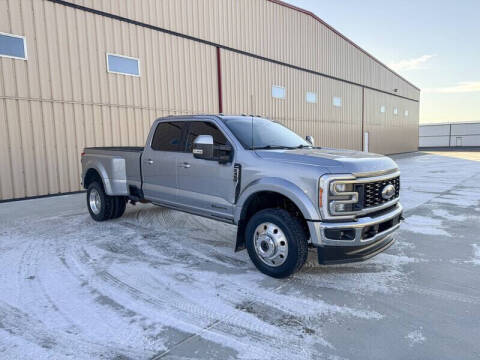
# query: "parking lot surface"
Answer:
x=166 y=285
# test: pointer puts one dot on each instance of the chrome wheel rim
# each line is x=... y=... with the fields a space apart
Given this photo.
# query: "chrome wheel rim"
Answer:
x=95 y=201
x=270 y=244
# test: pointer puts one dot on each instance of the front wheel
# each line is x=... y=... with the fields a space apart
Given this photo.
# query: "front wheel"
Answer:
x=276 y=242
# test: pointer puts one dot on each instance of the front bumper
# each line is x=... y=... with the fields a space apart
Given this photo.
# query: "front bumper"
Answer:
x=360 y=239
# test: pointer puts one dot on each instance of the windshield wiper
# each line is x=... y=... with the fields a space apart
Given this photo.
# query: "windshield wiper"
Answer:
x=304 y=147
x=272 y=147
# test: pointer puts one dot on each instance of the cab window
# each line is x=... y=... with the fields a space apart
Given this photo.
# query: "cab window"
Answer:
x=168 y=136
x=204 y=128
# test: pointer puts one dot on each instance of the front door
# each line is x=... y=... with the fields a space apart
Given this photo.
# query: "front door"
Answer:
x=205 y=186
x=159 y=163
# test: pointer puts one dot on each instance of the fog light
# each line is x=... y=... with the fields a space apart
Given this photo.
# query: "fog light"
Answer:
x=340 y=234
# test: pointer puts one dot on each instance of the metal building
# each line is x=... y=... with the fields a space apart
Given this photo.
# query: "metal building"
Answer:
x=98 y=72
x=454 y=135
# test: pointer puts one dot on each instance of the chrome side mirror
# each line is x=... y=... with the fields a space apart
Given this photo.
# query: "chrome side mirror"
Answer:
x=203 y=147
x=311 y=140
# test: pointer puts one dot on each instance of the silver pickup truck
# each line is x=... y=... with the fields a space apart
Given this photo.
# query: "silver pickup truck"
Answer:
x=284 y=194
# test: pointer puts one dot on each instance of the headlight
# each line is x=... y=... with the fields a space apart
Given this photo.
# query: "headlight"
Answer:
x=338 y=196
x=342 y=197
x=342 y=187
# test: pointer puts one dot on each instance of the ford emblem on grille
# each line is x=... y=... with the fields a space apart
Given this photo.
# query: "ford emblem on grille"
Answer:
x=388 y=192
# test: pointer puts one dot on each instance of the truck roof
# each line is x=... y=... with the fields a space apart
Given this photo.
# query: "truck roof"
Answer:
x=206 y=116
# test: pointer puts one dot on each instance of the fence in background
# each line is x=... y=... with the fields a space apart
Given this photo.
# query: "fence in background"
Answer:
x=450 y=135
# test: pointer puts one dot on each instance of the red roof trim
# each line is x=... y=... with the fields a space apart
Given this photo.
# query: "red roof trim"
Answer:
x=293 y=7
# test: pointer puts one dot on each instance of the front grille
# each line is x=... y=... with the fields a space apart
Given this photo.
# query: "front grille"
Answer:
x=373 y=192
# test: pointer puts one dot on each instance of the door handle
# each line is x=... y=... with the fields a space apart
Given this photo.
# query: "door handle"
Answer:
x=185 y=165
x=149 y=161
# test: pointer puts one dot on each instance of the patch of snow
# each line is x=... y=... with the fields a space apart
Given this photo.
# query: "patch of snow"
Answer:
x=415 y=337
x=423 y=179
x=381 y=274
x=448 y=215
x=424 y=225
x=476 y=255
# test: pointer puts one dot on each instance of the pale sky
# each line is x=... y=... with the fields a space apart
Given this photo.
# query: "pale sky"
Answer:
x=435 y=44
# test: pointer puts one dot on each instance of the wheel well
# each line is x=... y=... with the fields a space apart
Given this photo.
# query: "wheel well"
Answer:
x=91 y=176
x=265 y=200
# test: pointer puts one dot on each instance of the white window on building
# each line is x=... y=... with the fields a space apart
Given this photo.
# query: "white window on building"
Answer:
x=382 y=108
x=120 y=64
x=13 y=46
x=406 y=113
x=337 y=101
x=395 y=111
x=311 y=97
x=278 y=92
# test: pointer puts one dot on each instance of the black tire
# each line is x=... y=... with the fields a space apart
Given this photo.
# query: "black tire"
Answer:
x=120 y=204
x=106 y=203
x=294 y=233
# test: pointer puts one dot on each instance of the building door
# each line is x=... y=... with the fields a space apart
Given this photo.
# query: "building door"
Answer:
x=459 y=141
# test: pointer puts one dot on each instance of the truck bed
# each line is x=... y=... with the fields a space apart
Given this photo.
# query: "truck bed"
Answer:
x=118 y=148
x=120 y=166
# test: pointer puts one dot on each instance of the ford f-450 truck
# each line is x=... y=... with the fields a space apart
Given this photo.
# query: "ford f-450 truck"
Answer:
x=284 y=194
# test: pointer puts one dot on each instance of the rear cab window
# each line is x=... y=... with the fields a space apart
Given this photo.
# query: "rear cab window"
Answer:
x=168 y=136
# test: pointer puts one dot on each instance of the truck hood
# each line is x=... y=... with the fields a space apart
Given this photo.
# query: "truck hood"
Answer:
x=334 y=160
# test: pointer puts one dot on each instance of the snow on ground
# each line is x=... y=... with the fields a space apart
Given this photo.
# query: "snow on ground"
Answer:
x=426 y=225
x=476 y=254
x=158 y=281
x=415 y=337
x=126 y=282
x=426 y=177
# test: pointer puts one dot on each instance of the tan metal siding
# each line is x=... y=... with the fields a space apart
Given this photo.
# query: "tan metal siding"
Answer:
x=62 y=98
x=267 y=29
x=247 y=85
x=389 y=133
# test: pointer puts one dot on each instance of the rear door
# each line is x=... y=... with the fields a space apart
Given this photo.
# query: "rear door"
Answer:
x=205 y=186
x=159 y=162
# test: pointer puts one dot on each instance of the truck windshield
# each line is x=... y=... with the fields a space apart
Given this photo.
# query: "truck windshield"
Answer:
x=264 y=134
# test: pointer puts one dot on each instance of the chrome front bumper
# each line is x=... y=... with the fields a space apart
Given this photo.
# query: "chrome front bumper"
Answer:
x=320 y=239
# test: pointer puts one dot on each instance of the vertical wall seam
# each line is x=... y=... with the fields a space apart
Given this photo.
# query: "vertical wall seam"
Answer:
x=44 y=139
x=32 y=145
x=73 y=121
x=17 y=105
x=219 y=81
x=62 y=87
x=7 y=125
x=363 y=119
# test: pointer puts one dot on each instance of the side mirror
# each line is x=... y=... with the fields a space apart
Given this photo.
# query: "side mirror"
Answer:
x=203 y=147
x=311 y=140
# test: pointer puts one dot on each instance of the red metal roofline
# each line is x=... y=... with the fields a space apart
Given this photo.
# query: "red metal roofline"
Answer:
x=293 y=7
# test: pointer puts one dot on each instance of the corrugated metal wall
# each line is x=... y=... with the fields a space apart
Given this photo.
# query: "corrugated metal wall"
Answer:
x=263 y=28
x=390 y=133
x=62 y=98
x=247 y=88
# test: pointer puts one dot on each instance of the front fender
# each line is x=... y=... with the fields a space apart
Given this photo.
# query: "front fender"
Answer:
x=283 y=187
